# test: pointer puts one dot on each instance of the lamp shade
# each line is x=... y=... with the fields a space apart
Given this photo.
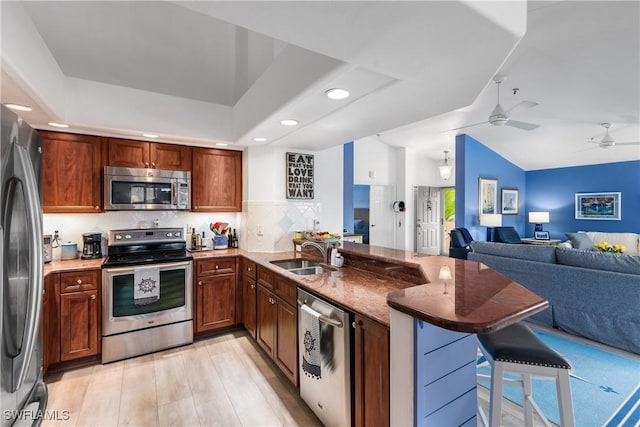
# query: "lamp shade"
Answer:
x=539 y=217
x=491 y=220
x=445 y=273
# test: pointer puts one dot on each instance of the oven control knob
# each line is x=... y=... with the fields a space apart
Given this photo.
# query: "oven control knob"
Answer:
x=118 y=237
x=127 y=236
x=169 y=234
x=177 y=234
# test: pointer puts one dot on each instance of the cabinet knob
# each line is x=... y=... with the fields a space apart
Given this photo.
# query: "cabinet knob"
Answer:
x=79 y=281
x=253 y=286
x=217 y=267
x=354 y=325
x=153 y=164
x=96 y=208
x=249 y=269
x=273 y=300
x=146 y=164
x=93 y=296
x=199 y=282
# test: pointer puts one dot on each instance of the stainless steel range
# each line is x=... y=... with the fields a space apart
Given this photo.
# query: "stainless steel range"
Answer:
x=146 y=292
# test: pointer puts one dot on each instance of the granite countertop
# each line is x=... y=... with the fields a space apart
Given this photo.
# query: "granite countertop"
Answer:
x=475 y=299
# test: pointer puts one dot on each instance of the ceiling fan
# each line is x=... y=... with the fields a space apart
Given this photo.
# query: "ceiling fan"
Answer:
x=607 y=140
x=500 y=117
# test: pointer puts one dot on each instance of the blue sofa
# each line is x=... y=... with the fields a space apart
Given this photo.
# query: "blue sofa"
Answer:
x=592 y=294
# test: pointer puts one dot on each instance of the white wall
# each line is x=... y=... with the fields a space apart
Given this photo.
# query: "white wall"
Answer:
x=369 y=154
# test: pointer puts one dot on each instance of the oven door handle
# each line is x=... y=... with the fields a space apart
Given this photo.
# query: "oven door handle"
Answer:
x=322 y=317
x=174 y=193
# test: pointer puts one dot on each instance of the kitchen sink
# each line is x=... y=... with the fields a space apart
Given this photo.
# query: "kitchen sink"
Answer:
x=302 y=267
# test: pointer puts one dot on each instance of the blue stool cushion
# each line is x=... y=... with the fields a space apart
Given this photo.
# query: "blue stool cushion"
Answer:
x=518 y=344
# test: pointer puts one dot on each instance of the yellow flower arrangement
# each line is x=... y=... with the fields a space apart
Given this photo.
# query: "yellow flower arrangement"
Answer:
x=608 y=247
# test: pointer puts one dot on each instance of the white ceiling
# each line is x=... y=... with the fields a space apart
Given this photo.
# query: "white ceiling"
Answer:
x=205 y=72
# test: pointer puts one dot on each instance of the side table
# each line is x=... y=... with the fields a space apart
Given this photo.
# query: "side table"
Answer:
x=532 y=241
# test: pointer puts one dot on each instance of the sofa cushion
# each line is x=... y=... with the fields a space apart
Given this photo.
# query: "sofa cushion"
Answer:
x=580 y=240
x=506 y=235
x=597 y=260
x=539 y=253
x=628 y=240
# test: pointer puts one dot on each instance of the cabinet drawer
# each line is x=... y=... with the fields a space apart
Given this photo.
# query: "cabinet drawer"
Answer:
x=265 y=278
x=216 y=266
x=73 y=281
x=249 y=269
x=285 y=290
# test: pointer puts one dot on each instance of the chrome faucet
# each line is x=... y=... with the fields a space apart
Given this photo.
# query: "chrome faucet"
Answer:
x=323 y=251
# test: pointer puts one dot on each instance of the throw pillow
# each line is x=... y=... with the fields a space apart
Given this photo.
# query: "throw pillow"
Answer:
x=506 y=235
x=580 y=240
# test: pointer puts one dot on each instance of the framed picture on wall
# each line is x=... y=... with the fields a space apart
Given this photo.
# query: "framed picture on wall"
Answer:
x=600 y=206
x=487 y=196
x=509 y=201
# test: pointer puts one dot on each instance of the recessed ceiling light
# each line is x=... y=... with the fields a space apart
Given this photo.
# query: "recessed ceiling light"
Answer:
x=19 y=107
x=150 y=135
x=259 y=139
x=289 y=122
x=337 y=93
x=58 y=125
x=221 y=144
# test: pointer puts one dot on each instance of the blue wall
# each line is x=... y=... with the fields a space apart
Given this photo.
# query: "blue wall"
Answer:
x=474 y=160
x=347 y=187
x=553 y=190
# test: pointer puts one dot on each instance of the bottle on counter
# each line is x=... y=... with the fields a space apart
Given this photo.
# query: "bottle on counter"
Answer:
x=194 y=239
x=229 y=239
x=235 y=238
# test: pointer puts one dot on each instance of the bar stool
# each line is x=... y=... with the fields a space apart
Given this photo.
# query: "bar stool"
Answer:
x=516 y=349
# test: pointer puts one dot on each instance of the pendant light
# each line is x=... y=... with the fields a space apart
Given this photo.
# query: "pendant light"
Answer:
x=445 y=170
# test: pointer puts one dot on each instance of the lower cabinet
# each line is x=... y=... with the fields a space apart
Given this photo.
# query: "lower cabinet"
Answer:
x=276 y=326
x=79 y=314
x=371 y=361
x=249 y=295
x=215 y=294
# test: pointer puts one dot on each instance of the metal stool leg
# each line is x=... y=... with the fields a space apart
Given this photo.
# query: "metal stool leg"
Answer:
x=564 y=398
x=495 y=404
x=526 y=401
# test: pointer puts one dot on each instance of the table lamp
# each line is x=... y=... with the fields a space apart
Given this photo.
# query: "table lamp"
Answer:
x=539 y=218
x=490 y=221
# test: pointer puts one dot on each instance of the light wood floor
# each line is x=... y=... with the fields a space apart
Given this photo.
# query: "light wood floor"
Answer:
x=225 y=380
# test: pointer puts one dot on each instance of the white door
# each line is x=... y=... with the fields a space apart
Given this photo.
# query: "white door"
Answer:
x=381 y=216
x=428 y=221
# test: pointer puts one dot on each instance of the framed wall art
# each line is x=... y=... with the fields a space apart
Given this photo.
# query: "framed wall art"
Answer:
x=510 y=201
x=487 y=196
x=299 y=175
x=599 y=206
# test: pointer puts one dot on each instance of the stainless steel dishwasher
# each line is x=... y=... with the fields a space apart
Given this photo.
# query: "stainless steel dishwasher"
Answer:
x=325 y=359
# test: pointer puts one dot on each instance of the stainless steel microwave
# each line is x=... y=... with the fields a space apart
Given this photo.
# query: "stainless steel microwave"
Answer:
x=146 y=189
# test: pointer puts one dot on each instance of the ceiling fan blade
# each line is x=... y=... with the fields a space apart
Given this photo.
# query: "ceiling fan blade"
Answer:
x=521 y=125
x=463 y=127
x=519 y=107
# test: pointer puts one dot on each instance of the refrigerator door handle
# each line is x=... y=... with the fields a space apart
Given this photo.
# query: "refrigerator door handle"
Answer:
x=24 y=172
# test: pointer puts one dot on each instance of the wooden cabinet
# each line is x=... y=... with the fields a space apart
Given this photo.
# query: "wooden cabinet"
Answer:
x=371 y=361
x=71 y=173
x=79 y=314
x=216 y=180
x=50 y=322
x=215 y=292
x=249 y=291
x=276 y=328
x=130 y=153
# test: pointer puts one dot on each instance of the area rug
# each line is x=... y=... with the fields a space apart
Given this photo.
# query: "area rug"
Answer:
x=605 y=387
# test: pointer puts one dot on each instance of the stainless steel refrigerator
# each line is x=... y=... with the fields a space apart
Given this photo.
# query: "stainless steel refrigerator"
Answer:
x=24 y=394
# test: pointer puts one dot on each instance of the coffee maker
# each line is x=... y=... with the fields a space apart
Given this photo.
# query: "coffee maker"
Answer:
x=92 y=248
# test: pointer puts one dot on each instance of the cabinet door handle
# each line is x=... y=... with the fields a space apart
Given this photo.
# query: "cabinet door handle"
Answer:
x=199 y=282
x=93 y=296
x=354 y=325
x=79 y=281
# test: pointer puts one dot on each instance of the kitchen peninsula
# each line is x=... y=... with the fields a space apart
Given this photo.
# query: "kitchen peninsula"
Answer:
x=432 y=293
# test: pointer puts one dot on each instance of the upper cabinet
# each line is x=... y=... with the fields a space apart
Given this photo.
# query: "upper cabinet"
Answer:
x=141 y=154
x=216 y=180
x=71 y=173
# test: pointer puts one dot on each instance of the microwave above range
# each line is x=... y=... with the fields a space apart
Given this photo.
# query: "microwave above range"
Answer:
x=146 y=189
